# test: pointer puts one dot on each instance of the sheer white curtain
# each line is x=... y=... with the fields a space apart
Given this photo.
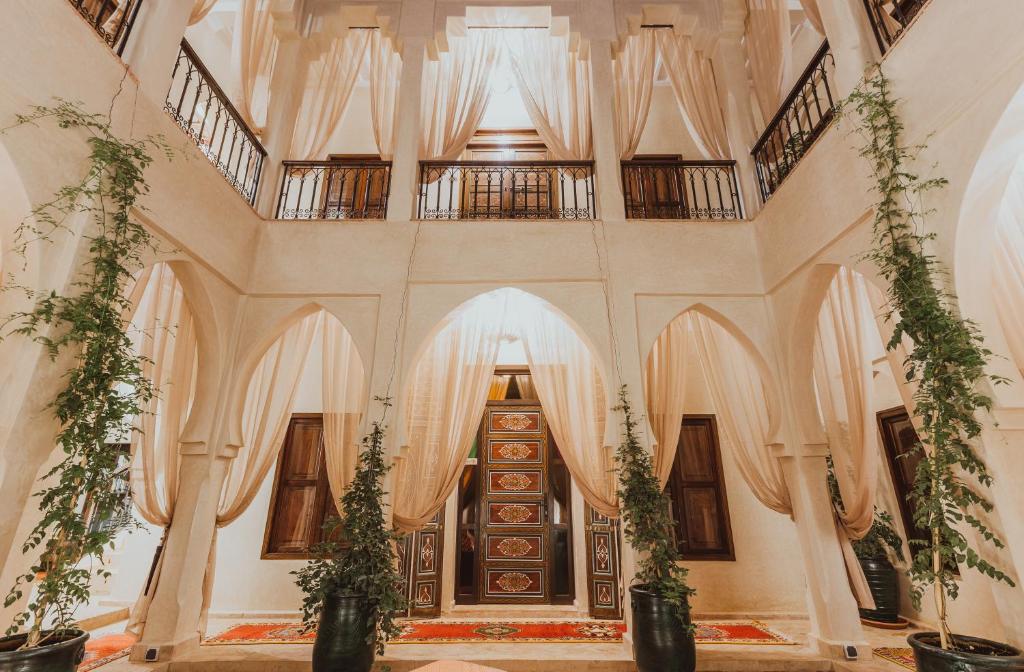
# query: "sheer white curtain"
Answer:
x=554 y=83
x=696 y=91
x=448 y=392
x=257 y=52
x=569 y=387
x=741 y=408
x=330 y=81
x=163 y=333
x=200 y=9
x=665 y=383
x=343 y=400
x=813 y=14
x=633 y=72
x=843 y=377
x=385 y=76
x=769 y=52
x=455 y=93
x=1008 y=266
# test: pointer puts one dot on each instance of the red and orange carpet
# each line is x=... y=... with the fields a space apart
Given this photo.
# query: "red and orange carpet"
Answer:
x=105 y=649
x=901 y=655
x=462 y=632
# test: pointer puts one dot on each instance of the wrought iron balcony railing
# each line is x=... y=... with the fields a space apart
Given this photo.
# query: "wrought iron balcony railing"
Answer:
x=802 y=117
x=506 y=190
x=203 y=111
x=112 y=19
x=889 y=18
x=681 y=190
x=334 y=190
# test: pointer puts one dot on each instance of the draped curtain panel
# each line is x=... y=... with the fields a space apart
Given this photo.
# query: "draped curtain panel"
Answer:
x=455 y=94
x=813 y=14
x=570 y=389
x=330 y=81
x=200 y=9
x=343 y=400
x=385 y=75
x=554 y=83
x=163 y=333
x=258 y=51
x=1008 y=266
x=633 y=72
x=843 y=377
x=665 y=387
x=448 y=393
x=693 y=82
x=769 y=52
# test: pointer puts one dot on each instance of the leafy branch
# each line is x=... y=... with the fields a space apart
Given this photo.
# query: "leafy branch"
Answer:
x=648 y=526
x=104 y=386
x=946 y=362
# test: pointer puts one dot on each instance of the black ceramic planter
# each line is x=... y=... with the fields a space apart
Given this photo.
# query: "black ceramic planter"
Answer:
x=974 y=655
x=660 y=642
x=884 y=582
x=341 y=637
x=59 y=654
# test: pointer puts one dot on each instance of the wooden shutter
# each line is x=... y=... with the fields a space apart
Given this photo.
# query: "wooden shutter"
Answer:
x=302 y=496
x=697 y=489
x=900 y=440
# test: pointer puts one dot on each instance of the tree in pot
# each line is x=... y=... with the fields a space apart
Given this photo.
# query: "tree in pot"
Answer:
x=352 y=586
x=104 y=388
x=946 y=361
x=875 y=552
x=663 y=636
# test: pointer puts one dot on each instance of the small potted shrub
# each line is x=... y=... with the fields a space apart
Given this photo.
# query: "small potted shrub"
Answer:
x=663 y=635
x=875 y=552
x=104 y=388
x=352 y=586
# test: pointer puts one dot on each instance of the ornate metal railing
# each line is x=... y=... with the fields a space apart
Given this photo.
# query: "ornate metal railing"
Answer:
x=889 y=18
x=681 y=190
x=506 y=190
x=203 y=111
x=112 y=19
x=801 y=118
x=334 y=190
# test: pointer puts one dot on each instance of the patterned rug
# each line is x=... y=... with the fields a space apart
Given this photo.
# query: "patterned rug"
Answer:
x=105 y=649
x=901 y=655
x=462 y=632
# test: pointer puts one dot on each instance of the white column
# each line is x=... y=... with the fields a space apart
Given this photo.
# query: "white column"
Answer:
x=729 y=62
x=610 y=203
x=850 y=40
x=405 y=164
x=153 y=45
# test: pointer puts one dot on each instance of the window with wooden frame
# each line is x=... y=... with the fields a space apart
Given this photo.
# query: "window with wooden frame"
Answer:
x=355 y=191
x=696 y=487
x=301 y=500
x=899 y=439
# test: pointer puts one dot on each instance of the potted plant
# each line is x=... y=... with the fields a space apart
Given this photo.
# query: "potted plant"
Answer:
x=352 y=586
x=104 y=388
x=875 y=552
x=946 y=360
x=663 y=636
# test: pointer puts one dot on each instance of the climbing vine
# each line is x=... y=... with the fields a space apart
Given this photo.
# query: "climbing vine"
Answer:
x=104 y=386
x=648 y=525
x=947 y=359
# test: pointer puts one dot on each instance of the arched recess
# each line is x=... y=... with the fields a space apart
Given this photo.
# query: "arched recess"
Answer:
x=505 y=314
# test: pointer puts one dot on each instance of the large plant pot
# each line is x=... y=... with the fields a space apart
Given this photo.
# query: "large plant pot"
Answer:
x=60 y=653
x=975 y=655
x=660 y=641
x=345 y=636
x=884 y=582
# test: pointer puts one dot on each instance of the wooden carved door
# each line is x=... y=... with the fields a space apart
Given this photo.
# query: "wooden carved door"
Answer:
x=504 y=191
x=513 y=565
x=603 y=591
x=421 y=556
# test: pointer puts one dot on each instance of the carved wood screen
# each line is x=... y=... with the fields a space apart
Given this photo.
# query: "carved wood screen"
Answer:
x=603 y=581
x=422 y=557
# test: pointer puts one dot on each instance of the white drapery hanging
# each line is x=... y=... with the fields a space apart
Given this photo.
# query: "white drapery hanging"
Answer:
x=693 y=82
x=570 y=389
x=163 y=334
x=330 y=81
x=343 y=400
x=448 y=393
x=1008 y=268
x=385 y=76
x=200 y=9
x=633 y=72
x=554 y=83
x=665 y=386
x=769 y=52
x=843 y=378
x=455 y=94
x=813 y=14
x=258 y=51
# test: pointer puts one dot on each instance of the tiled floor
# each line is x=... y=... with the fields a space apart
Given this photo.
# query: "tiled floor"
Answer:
x=526 y=657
